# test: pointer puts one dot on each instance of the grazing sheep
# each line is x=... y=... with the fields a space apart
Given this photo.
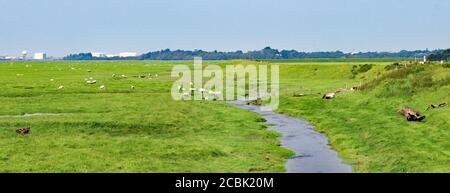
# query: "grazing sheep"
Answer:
x=91 y=81
x=61 y=87
x=298 y=95
x=215 y=94
x=102 y=87
x=329 y=95
x=52 y=79
x=411 y=114
x=23 y=131
x=132 y=87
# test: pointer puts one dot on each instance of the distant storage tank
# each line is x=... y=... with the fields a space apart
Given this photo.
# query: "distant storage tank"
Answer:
x=40 y=56
x=24 y=55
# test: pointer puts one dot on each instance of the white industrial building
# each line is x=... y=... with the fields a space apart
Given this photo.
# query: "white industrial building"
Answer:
x=127 y=54
x=98 y=54
x=111 y=55
x=40 y=56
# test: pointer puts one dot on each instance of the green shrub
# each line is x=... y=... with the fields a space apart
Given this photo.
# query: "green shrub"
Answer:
x=364 y=68
x=354 y=71
x=392 y=66
x=360 y=69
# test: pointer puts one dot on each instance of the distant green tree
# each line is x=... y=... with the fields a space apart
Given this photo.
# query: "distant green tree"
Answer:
x=444 y=55
x=264 y=54
x=80 y=56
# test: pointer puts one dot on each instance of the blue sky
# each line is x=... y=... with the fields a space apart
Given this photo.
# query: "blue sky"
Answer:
x=59 y=27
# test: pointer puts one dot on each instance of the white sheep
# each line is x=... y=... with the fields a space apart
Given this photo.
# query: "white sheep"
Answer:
x=91 y=81
x=61 y=87
x=215 y=94
x=102 y=87
x=132 y=87
x=329 y=95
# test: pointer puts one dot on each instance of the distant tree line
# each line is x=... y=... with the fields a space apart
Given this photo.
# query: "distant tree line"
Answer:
x=264 y=54
x=80 y=56
x=441 y=55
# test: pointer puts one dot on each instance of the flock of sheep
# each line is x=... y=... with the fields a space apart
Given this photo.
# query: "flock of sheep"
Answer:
x=330 y=95
x=92 y=81
x=207 y=94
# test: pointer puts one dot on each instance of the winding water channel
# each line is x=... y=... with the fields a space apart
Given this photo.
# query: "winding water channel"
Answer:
x=313 y=154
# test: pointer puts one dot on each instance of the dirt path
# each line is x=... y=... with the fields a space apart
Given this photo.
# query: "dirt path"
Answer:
x=313 y=154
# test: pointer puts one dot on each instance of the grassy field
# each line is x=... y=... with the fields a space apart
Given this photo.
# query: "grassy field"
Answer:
x=364 y=126
x=120 y=129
